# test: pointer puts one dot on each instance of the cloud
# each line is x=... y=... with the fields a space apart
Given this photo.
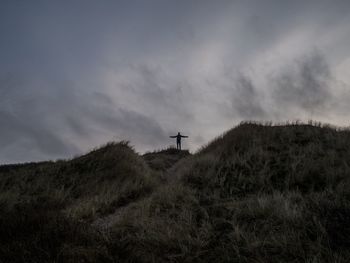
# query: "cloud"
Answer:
x=306 y=84
x=84 y=73
x=246 y=101
x=25 y=131
x=304 y=88
x=50 y=125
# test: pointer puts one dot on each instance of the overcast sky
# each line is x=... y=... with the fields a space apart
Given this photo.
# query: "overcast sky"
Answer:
x=77 y=74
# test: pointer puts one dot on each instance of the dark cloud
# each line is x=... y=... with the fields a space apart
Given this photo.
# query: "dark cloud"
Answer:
x=303 y=88
x=304 y=85
x=75 y=74
x=160 y=95
x=246 y=101
x=48 y=123
x=24 y=130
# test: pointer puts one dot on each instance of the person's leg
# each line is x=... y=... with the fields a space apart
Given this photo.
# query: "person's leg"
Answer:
x=177 y=145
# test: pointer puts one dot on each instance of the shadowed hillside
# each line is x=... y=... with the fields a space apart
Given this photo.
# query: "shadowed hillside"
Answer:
x=164 y=159
x=46 y=207
x=258 y=193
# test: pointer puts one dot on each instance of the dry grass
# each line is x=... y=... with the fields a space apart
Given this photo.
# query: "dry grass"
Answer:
x=259 y=193
x=162 y=160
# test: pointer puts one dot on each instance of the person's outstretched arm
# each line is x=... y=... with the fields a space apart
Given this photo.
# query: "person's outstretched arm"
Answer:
x=183 y=136
x=172 y=136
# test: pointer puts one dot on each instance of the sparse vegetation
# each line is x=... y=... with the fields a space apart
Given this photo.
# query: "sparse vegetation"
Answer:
x=258 y=193
x=164 y=159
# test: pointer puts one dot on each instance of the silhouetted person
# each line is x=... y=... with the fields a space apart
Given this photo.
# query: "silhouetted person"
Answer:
x=178 y=140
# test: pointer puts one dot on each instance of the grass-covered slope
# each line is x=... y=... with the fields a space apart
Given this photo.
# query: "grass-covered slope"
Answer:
x=46 y=208
x=252 y=159
x=164 y=159
x=280 y=193
x=256 y=194
x=87 y=186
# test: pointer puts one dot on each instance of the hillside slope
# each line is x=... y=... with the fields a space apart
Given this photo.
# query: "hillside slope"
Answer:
x=255 y=194
x=164 y=159
x=253 y=159
x=86 y=186
x=46 y=208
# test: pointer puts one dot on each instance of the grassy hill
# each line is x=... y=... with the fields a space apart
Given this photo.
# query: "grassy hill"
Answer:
x=164 y=159
x=258 y=193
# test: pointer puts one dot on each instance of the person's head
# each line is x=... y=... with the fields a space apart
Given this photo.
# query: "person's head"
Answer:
x=178 y=133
